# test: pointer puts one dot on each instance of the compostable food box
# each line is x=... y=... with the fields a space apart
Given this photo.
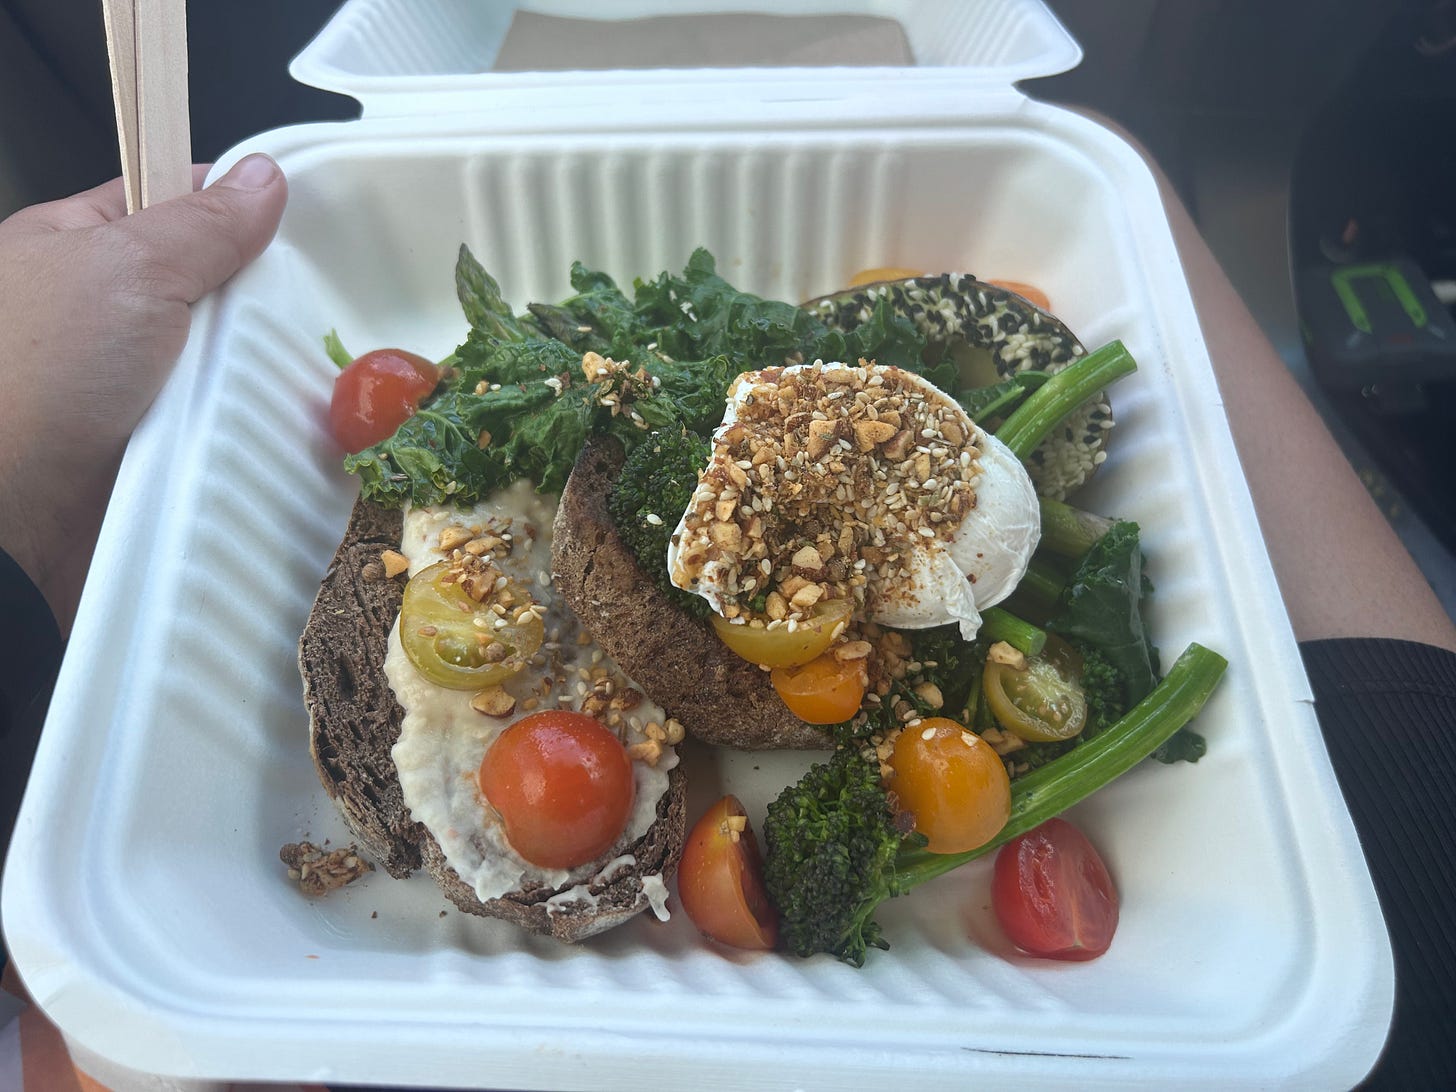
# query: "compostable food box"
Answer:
x=144 y=901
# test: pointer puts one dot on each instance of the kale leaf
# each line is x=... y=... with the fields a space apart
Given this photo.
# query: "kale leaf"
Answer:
x=1101 y=606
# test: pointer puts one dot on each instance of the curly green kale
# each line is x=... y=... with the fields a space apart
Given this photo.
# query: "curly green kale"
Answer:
x=831 y=842
x=649 y=497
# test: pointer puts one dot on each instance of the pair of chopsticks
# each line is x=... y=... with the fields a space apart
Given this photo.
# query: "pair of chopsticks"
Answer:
x=146 y=41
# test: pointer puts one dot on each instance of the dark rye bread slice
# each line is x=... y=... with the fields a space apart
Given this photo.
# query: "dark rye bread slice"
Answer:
x=719 y=697
x=354 y=722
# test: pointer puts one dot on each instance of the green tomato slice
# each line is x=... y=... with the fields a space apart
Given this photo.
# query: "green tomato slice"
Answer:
x=459 y=643
x=1042 y=702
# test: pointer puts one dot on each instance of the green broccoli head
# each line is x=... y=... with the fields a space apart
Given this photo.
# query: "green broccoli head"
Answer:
x=831 y=842
x=650 y=496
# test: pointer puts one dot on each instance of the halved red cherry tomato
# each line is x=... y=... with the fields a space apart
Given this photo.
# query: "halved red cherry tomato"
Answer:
x=783 y=647
x=562 y=783
x=952 y=782
x=720 y=880
x=1053 y=895
x=376 y=394
x=824 y=690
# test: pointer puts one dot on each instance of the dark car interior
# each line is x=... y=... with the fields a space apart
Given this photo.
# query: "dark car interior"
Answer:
x=1312 y=143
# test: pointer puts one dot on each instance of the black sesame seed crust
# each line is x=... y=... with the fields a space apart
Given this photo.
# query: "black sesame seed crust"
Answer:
x=1019 y=336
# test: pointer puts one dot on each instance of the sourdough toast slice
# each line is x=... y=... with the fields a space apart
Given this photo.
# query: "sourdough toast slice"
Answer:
x=718 y=697
x=354 y=721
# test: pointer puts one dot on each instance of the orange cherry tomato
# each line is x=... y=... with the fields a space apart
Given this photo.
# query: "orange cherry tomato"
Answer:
x=783 y=647
x=824 y=690
x=1053 y=895
x=952 y=782
x=376 y=394
x=1029 y=292
x=562 y=783
x=720 y=880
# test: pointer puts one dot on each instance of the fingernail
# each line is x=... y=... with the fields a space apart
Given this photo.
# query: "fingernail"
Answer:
x=252 y=172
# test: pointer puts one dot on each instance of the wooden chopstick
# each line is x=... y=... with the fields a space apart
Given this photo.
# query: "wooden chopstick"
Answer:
x=120 y=19
x=147 y=45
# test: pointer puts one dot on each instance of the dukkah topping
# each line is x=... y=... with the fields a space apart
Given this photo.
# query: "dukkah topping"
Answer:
x=826 y=479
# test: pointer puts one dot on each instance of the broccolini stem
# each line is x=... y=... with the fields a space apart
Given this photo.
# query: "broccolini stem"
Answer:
x=1002 y=625
x=1038 y=590
x=1051 y=790
x=1068 y=531
x=1031 y=422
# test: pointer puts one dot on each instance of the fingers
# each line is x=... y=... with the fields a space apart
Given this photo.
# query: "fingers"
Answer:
x=191 y=244
x=90 y=208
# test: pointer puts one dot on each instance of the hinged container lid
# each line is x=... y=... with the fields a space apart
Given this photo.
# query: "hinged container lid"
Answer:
x=401 y=57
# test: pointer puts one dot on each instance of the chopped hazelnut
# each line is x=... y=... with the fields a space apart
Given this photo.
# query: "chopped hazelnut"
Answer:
x=494 y=701
x=930 y=694
x=649 y=751
x=869 y=433
x=394 y=563
x=807 y=596
x=452 y=538
x=1002 y=653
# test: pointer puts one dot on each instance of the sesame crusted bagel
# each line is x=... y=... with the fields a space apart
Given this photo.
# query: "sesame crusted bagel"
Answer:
x=1018 y=335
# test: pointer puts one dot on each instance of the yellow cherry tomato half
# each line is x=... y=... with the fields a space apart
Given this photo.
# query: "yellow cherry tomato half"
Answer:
x=455 y=641
x=824 y=690
x=1029 y=292
x=952 y=782
x=782 y=647
x=720 y=880
x=1042 y=702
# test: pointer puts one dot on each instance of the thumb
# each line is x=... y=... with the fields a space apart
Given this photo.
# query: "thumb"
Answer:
x=191 y=244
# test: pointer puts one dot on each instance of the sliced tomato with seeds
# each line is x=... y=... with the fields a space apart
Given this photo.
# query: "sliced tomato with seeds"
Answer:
x=720 y=880
x=1053 y=895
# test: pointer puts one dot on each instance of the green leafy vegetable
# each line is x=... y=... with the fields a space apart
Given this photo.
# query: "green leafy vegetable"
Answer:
x=649 y=497
x=1102 y=607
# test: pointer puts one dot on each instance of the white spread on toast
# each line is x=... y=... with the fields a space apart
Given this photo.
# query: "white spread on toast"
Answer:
x=443 y=739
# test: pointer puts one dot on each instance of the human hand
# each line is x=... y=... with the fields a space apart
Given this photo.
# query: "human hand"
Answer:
x=94 y=311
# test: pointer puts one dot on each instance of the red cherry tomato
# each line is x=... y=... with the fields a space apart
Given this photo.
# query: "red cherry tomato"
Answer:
x=720 y=880
x=376 y=394
x=1053 y=895
x=562 y=783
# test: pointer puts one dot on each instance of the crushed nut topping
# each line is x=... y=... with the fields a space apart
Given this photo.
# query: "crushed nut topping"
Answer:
x=494 y=701
x=1003 y=653
x=826 y=479
x=318 y=871
x=394 y=563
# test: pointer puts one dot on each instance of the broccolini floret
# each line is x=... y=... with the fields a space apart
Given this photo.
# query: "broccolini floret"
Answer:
x=831 y=843
x=649 y=497
x=835 y=848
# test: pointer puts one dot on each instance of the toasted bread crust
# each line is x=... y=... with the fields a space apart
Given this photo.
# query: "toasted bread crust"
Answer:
x=718 y=697
x=354 y=722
